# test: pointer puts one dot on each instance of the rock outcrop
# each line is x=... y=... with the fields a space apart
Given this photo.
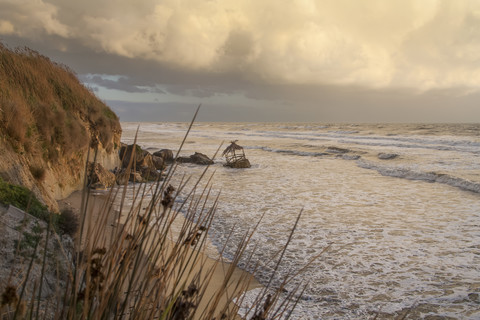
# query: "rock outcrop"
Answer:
x=158 y=162
x=239 y=164
x=19 y=232
x=99 y=177
x=144 y=166
x=166 y=155
x=197 y=158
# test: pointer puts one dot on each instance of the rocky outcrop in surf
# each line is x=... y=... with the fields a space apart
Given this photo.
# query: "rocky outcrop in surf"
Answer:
x=196 y=158
x=139 y=165
x=166 y=155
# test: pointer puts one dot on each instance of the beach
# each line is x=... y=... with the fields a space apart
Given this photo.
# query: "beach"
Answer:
x=111 y=223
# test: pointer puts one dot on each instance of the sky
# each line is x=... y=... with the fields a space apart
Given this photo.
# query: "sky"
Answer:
x=263 y=60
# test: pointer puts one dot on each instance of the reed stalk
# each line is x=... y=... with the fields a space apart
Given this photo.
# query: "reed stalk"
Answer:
x=130 y=265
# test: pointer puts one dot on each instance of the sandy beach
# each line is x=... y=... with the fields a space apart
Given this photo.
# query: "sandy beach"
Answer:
x=112 y=222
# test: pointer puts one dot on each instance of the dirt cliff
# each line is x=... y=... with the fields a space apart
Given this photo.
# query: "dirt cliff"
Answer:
x=49 y=123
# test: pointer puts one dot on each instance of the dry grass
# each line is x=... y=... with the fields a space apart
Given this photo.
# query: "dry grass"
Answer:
x=131 y=268
x=45 y=110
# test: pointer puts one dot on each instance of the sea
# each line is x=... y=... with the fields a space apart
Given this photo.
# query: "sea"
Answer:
x=392 y=211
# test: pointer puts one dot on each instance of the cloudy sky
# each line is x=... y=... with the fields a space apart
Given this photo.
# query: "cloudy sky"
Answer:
x=264 y=60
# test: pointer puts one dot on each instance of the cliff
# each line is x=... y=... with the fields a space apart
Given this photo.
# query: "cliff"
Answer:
x=48 y=124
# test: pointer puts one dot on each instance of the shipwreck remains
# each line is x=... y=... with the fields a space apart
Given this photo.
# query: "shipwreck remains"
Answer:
x=235 y=156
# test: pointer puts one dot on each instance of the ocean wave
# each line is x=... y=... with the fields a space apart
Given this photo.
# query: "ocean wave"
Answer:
x=406 y=173
x=442 y=143
x=289 y=152
x=345 y=154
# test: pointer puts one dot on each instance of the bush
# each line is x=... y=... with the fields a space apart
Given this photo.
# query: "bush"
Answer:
x=38 y=172
x=24 y=199
x=68 y=222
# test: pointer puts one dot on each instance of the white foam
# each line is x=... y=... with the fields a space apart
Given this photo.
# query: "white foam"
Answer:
x=407 y=173
x=394 y=243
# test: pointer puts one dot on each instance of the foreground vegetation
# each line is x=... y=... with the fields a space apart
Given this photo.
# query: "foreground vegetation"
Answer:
x=132 y=265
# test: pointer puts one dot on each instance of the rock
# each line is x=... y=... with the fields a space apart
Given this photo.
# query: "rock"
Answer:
x=165 y=154
x=387 y=156
x=147 y=161
x=197 y=158
x=19 y=227
x=135 y=177
x=200 y=158
x=99 y=177
x=122 y=177
x=144 y=168
x=239 y=164
x=150 y=174
x=184 y=160
x=158 y=162
x=126 y=152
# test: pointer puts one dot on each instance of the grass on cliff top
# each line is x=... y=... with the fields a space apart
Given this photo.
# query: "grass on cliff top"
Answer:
x=45 y=110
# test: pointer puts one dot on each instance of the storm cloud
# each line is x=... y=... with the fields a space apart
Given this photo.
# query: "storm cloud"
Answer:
x=305 y=54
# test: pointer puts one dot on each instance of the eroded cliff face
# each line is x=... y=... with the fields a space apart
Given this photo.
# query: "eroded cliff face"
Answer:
x=49 y=124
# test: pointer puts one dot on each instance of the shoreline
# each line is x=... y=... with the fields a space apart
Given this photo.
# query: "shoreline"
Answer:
x=97 y=204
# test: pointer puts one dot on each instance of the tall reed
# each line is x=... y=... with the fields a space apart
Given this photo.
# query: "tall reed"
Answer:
x=129 y=264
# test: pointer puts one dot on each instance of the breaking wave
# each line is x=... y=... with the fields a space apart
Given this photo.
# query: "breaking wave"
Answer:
x=406 y=173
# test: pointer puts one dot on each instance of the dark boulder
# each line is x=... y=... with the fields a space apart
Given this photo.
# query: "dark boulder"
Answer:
x=158 y=162
x=147 y=161
x=165 y=154
x=184 y=160
x=239 y=164
x=150 y=174
x=200 y=158
x=126 y=153
x=123 y=177
x=144 y=168
x=197 y=158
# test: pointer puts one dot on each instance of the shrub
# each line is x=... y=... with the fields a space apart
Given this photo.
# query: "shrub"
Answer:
x=24 y=199
x=68 y=222
x=38 y=172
